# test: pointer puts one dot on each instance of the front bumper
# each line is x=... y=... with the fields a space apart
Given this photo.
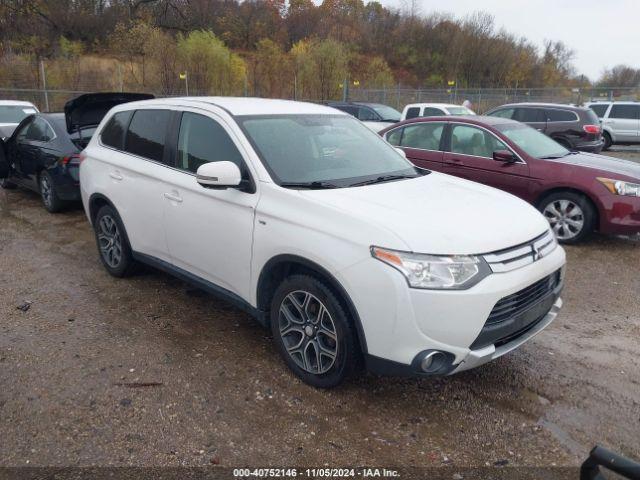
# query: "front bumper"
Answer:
x=400 y=324
x=621 y=215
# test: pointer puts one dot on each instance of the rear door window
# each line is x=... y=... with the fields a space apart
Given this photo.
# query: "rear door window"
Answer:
x=554 y=115
x=629 y=112
x=600 y=109
x=113 y=133
x=423 y=136
x=147 y=133
x=203 y=140
x=530 y=115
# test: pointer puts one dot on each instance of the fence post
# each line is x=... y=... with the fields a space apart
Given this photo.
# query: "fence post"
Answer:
x=44 y=86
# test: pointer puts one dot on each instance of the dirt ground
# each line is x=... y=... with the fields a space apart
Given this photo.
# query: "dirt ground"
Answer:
x=149 y=371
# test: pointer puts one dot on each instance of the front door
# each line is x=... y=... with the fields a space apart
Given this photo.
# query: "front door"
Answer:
x=471 y=157
x=209 y=232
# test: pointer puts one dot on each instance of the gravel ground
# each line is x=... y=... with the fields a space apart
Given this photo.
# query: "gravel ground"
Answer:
x=148 y=371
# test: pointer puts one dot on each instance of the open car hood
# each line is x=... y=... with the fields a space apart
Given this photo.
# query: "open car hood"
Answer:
x=89 y=109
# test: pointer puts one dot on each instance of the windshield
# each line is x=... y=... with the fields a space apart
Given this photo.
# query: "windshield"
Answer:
x=387 y=113
x=532 y=141
x=336 y=150
x=15 y=113
x=460 y=111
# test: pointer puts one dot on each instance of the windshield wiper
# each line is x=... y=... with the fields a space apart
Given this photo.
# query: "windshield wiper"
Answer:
x=383 y=178
x=309 y=185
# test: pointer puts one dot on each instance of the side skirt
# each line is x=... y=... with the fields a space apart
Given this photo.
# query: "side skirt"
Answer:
x=203 y=284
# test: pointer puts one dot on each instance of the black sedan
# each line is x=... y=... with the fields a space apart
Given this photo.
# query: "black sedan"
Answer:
x=43 y=152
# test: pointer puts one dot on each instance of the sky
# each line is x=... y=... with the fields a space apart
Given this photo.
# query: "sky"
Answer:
x=602 y=33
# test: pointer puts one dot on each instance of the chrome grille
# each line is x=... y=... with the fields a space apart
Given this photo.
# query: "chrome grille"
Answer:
x=518 y=302
x=522 y=255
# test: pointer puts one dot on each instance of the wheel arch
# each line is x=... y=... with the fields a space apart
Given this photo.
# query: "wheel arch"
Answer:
x=596 y=205
x=281 y=266
x=96 y=201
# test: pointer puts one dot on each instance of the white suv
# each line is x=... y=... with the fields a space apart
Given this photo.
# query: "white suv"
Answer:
x=311 y=222
x=620 y=121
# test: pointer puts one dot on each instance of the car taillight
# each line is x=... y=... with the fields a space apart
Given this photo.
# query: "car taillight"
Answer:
x=591 y=128
x=74 y=159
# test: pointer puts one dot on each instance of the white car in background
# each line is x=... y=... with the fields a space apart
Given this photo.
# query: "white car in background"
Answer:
x=12 y=112
x=305 y=218
x=415 y=110
x=620 y=121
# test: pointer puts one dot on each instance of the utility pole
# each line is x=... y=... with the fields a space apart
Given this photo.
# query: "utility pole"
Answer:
x=44 y=85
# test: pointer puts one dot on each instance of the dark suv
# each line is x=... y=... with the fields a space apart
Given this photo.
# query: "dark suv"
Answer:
x=575 y=128
x=374 y=115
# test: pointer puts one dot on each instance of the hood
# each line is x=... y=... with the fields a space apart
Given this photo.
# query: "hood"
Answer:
x=616 y=166
x=440 y=214
x=89 y=109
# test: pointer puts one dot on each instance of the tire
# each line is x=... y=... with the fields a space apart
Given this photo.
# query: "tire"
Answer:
x=7 y=185
x=607 y=141
x=561 y=209
x=48 y=193
x=113 y=243
x=327 y=351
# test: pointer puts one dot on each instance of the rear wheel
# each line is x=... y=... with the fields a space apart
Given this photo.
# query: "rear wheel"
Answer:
x=50 y=198
x=7 y=185
x=564 y=143
x=113 y=243
x=313 y=332
x=607 y=141
x=571 y=216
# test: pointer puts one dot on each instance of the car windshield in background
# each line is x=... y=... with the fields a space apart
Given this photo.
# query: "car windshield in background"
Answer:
x=323 y=151
x=15 y=113
x=532 y=141
x=460 y=111
x=388 y=114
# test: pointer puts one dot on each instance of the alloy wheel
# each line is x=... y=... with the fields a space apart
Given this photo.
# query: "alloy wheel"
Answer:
x=308 y=332
x=566 y=218
x=110 y=241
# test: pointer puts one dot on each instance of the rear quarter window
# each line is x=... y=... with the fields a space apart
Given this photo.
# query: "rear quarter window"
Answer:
x=113 y=132
x=600 y=110
x=629 y=112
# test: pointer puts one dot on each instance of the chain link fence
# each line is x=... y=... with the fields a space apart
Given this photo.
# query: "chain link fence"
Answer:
x=484 y=99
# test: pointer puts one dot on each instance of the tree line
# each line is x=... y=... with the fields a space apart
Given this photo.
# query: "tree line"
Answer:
x=273 y=48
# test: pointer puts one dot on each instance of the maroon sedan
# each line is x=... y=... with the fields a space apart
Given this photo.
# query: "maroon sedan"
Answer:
x=577 y=192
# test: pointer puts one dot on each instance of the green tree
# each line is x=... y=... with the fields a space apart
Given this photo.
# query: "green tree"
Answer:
x=211 y=66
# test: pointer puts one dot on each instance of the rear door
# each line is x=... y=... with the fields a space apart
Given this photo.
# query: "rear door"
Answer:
x=470 y=156
x=33 y=149
x=422 y=143
x=135 y=166
x=532 y=116
x=624 y=122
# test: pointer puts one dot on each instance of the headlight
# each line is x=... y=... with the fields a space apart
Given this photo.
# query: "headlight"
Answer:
x=456 y=272
x=618 y=187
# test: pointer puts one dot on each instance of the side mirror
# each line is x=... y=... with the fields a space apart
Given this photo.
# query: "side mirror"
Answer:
x=505 y=156
x=401 y=152
x=219 y=175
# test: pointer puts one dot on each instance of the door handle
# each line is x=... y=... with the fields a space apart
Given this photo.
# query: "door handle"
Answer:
x=116 y=175
x=173 y=197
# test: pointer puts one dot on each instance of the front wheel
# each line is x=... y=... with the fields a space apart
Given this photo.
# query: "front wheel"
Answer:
x=571 y=216
x=313 y=332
